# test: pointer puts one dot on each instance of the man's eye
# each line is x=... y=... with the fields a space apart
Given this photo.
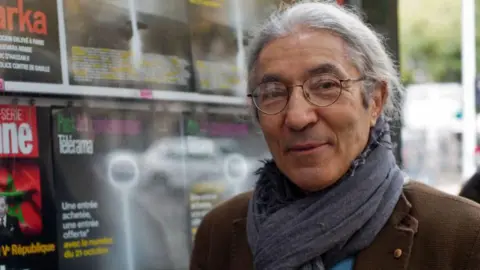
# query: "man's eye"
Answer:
x=324 y=84
x=275 y=93
x=272 y=90
x=327 y=84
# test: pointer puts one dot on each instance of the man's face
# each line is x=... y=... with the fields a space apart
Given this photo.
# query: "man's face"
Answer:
x=314 y=146
x=3 y=207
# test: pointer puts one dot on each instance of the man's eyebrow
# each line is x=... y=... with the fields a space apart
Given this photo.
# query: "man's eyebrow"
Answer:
x=326 y=69
x=270 y=78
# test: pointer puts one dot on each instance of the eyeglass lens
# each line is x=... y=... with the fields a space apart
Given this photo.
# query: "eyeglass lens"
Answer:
x=320 y=90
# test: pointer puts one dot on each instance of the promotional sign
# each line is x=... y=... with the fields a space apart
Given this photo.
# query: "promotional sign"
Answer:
x=217 y=46
x=18 y=131
x=221 y=30
x=203 y=198
x=140 y=44
x=29 y=42
x=27 y=213
x=112 y=216
x=223 y=155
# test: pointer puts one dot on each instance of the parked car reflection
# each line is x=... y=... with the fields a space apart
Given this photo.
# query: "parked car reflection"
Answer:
x=179 y=162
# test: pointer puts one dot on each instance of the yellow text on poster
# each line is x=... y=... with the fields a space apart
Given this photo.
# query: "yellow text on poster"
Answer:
x=25 y=250
x=87 y=248
x=208 y=3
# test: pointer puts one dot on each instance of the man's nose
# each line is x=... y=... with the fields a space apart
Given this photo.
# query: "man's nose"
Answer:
x=299 y=112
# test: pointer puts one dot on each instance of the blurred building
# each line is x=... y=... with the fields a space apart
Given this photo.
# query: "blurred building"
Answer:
x=431 y=134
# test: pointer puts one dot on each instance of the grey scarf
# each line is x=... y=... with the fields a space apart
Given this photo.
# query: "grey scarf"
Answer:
x=288 y=229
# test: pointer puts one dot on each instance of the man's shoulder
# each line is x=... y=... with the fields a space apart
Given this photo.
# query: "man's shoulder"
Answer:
x=232 y=209
x=428 y=199
x=443 y=213
x=219 y=222
x=447 y=224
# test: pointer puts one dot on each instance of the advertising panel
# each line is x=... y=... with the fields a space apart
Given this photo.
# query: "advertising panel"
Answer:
x=29 y=41
x=221 y=30
x=18 y=131
x=141 y=44
x=231 y=152
x=203 y=198
x=27 y=210
x=131 y=187
x=218 y=49
x=112 y=216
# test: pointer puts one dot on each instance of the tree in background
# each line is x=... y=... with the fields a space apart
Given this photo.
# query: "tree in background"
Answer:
x=430 y=40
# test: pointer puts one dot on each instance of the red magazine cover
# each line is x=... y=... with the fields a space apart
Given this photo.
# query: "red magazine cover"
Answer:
x=18 y=131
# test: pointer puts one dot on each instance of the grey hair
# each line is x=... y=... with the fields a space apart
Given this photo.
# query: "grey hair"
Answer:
x=365 y=47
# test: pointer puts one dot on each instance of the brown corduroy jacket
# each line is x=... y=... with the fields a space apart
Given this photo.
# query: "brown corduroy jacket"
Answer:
x=427 y=230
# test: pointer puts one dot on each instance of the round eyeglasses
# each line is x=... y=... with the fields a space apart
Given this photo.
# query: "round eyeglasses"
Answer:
x=320 y=90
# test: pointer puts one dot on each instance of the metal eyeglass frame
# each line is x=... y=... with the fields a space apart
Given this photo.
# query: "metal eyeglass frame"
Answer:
x=343 y=84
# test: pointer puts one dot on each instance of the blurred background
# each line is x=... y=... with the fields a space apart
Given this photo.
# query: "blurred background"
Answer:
x=126 y=121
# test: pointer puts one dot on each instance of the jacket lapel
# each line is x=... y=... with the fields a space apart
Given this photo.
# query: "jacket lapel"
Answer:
x=392 y=247
x=241 y=256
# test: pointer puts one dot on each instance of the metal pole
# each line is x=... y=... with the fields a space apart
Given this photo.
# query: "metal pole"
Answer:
x=468 y=83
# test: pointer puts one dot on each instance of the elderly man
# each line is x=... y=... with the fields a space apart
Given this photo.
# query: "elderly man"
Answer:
x=9 y=225
x=323 y=87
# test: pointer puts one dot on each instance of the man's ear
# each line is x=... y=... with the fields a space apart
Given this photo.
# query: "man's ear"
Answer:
x=378 y=97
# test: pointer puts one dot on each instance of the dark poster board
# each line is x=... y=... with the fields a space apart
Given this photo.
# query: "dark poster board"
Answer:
x=110 y=43
x=115 y=217
x=27 y=209
x=220 y=33
x=217 y=41
x=29 y=41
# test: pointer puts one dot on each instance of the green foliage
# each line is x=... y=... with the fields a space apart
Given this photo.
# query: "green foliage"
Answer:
x=430 y=39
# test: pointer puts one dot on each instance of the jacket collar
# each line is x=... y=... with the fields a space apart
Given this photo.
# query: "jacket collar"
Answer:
x=392 y=246
x=241 y=255
x=390 y=250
